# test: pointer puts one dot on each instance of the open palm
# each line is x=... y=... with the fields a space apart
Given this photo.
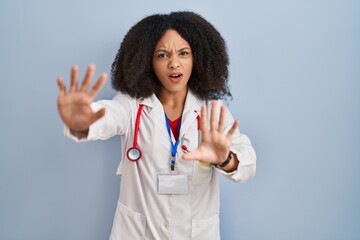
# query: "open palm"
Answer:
x=74 y=105
x=215 y=144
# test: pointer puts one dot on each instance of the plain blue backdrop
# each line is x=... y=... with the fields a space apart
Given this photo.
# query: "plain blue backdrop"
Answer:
x=294 y=74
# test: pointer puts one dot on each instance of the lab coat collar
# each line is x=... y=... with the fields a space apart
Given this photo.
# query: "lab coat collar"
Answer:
x=192 y=102
x=191 y=110
x=150 y=102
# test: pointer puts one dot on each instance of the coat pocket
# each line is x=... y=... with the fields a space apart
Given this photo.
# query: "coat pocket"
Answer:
x=206 y=228
x=202 y=172
x=128 y=224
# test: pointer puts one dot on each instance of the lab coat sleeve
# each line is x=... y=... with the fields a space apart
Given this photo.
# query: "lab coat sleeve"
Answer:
x=242 y=147
x=114 y=122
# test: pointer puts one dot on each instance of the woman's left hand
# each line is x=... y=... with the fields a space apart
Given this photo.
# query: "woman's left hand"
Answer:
x=215 y=144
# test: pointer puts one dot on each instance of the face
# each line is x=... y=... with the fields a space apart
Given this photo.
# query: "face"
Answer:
x=172 y=62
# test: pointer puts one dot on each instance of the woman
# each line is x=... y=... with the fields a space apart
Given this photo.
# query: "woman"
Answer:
x=170 y=72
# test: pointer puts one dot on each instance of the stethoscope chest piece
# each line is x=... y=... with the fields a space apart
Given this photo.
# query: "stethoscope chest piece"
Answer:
x=133 y=154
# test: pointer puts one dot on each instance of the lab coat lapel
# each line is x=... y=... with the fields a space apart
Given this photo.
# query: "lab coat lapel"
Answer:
x=191 y=110
x=156 y=112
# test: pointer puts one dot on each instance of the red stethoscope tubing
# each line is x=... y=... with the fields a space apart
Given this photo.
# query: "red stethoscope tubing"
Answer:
x=184 y=147
x=134 y=153
x=198 y=120
x=134 y=150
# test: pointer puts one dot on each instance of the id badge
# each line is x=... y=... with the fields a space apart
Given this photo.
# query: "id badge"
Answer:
x=173 y=183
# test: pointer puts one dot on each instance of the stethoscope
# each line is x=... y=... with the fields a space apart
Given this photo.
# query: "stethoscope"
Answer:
x=134 y=153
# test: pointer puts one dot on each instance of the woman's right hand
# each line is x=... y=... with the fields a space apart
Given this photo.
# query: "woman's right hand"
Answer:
x=74 y=105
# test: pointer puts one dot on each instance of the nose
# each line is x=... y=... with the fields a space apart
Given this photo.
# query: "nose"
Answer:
x=174 y=63
x=174 y=67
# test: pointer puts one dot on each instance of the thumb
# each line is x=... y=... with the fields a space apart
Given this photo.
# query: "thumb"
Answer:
x=99 y=114
x=196 y=155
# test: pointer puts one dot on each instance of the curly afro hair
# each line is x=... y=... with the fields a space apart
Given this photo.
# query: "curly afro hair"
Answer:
x=132 y=72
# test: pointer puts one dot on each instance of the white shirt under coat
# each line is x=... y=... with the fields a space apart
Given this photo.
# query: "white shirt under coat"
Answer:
x=141 y=212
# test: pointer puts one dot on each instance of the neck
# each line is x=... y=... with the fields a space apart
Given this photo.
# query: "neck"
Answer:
x=173 y=103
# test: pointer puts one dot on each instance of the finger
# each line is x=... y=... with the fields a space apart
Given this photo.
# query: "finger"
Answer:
x=232 y=129
x=74 y=78
x=98 y=85
x=196 y=155
x=203 y=123
x=99 y=114
x=213 y=118
x=61 y=85
x=222 y=119
x=87 y=79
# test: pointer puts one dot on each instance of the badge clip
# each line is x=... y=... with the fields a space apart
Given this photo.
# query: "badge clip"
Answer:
x=172 y=164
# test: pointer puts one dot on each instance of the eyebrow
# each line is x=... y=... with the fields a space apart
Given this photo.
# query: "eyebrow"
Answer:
x=181 y=49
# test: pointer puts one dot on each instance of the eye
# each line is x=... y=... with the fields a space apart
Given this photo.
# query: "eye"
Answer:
x=184 y=53
x=162 y=55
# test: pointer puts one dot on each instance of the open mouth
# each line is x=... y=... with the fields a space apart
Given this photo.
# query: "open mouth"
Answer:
x=175 y=75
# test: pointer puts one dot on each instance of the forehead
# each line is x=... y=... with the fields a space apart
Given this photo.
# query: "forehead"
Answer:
x=170 y=39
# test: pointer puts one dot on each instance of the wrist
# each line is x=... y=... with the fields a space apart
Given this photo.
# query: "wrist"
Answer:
x=232 y=165
x=226 y=162
x=80 y=134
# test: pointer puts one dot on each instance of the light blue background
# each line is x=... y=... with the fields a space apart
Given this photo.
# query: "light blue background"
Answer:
x=295 y=73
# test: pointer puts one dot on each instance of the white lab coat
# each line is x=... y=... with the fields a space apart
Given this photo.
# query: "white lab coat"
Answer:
x=141 y=212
